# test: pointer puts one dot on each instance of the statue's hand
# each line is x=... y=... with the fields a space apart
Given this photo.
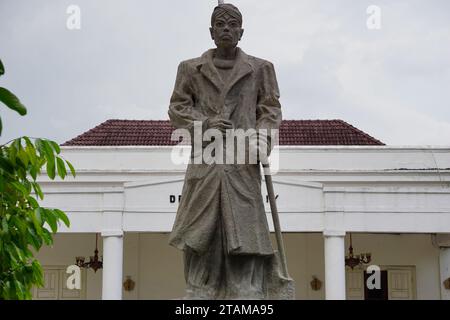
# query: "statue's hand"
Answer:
x=220 y=124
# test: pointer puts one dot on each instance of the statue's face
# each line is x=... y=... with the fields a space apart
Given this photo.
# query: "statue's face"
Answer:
x=226 y=31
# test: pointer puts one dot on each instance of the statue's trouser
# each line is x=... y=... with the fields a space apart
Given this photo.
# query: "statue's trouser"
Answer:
x=219 y=275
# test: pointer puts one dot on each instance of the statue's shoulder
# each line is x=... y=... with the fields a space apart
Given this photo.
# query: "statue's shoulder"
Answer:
x=191 y=62
x=259 y=63
x=189 y=66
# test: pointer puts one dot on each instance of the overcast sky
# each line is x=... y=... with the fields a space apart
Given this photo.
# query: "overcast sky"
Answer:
x=393 y=83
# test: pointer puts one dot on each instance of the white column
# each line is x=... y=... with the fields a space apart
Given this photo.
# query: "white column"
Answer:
x=444 y=266
x=334 y=265
x=112 y=265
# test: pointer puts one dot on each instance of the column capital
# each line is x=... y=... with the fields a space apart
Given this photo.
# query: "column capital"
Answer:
x=441 y=240
x=333 y=233
x=112 y=233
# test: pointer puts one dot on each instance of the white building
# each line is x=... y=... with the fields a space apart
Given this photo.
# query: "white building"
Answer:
x=394 y=201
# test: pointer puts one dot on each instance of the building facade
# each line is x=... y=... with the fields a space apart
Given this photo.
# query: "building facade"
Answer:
x=393 y=201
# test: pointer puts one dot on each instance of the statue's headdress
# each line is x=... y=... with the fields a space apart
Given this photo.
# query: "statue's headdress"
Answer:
x=228 y=8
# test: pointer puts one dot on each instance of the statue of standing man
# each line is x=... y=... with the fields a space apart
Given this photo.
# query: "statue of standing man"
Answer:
x=221 y=224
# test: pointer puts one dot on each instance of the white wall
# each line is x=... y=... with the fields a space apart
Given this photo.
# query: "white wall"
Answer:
x=348 y=188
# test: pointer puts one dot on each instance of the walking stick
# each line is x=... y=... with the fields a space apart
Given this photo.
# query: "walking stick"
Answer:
x=281 y=286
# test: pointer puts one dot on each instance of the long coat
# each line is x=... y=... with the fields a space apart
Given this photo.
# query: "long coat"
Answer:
x=231 y=192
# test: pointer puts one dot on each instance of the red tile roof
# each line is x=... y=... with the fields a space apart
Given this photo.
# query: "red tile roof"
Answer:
x=158 y=132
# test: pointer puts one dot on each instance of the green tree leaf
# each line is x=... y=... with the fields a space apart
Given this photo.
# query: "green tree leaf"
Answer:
x=51 y=169
x=12 y=102
x=38 y=221
x=72 y=170
x=20 y=289
x=40 y=147
x=33 y=238
x=51 y=219
x=20 y=224
x=23 y=157
x=55 y=146
x=33 y=203
x=62 y=216
x=13 y=150
x=48 y=150
x=38 y=214
x=33 y=173
x=50 y=157
x=37 y=189
x=31 y=151
x=5 y=227
x=47 y=237
x=62 y=172
x=2 y=68
x=37 y=273
x=6 y=165
x=20 y=187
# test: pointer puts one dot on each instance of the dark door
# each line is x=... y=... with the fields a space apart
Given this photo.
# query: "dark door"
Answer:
x=376 y=294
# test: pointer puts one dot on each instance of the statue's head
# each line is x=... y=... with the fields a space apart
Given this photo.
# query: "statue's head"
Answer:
x=226 y=26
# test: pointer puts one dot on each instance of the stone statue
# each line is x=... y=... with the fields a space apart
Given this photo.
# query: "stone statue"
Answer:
x=221 y=224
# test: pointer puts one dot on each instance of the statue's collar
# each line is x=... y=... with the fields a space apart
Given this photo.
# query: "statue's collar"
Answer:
x=241 y=68
x=207 y=57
